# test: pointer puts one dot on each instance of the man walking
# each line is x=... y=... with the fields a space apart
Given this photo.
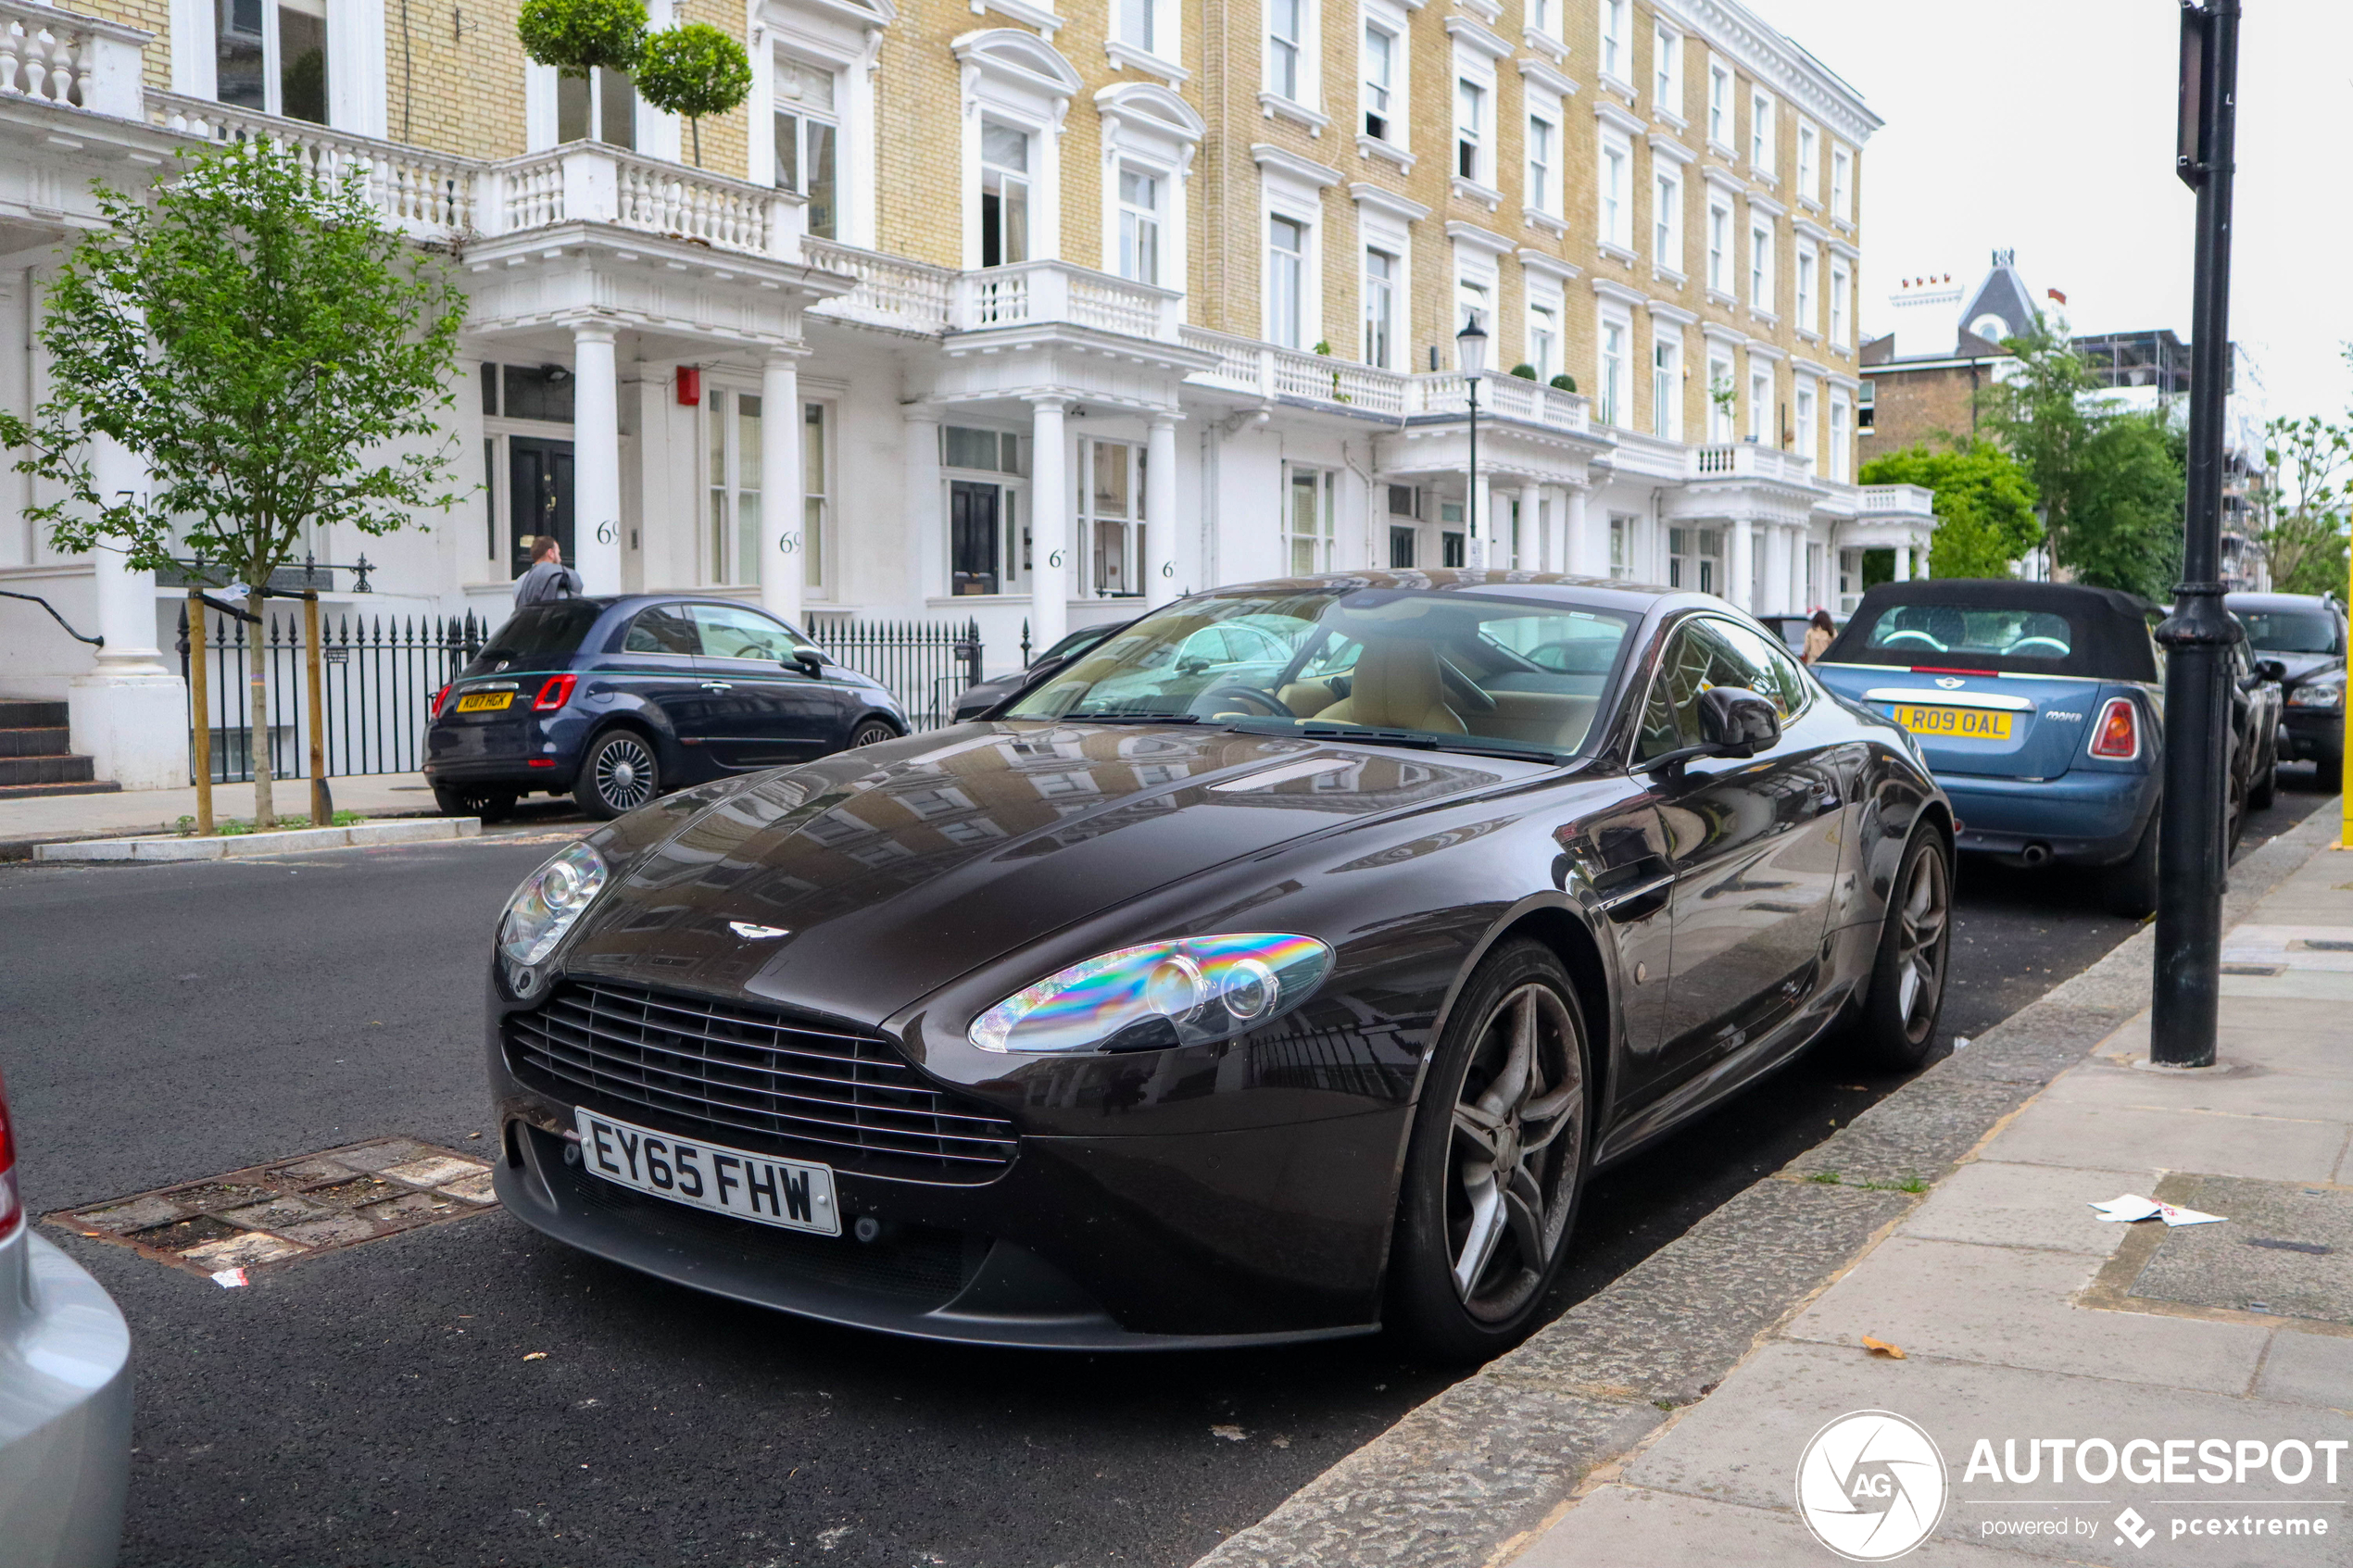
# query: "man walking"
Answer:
x=550 y=579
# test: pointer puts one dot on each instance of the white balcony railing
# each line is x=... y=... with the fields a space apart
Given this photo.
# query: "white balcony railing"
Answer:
x=892 y=291
x=1748 y=460
x=1031 y=292
x=420 y=192
x=54 y=56
x=590 y=182
x=1501 y=396
x=1896 y=500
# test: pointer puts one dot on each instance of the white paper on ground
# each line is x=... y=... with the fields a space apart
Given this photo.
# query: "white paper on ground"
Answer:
x=2132 y=1207
x=230 y=1279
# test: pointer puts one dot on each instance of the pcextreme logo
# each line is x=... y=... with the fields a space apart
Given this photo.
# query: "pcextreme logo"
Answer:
x=1870 y=1486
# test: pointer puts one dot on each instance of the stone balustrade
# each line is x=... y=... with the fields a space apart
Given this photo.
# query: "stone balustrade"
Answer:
x=52 y=55
x=425 y=194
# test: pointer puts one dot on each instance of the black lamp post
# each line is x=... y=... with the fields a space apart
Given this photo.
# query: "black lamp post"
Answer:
x=1470 y=357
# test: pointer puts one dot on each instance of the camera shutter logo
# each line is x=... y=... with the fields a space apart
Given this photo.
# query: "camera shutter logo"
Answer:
x=1870 y=1486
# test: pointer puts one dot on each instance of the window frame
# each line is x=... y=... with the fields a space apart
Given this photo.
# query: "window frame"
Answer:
x=1723 y=417
x=1544 y=177
x=1841 y=436
x=1666 y=71
x=1299 y=269
x=1324 y=481
x=1667 y=380
x=1841 y=182
x=721 y=440
x=1032 y=144
x=1474 y=143
x=1614 y=379
x=1720 y=84
x=1612 y=189
x=1810 y=161
x=1842 y=281
x=1667 y=214
x=1763 y=288
x=1805 y=403
x=804 y=119
x=1543 y=337
x=1763 y=149
x=1615 y=55
x=1142 y=258
x=1760 y=409
x=1382 y=97
x=1013 y=570
x=1289 y=59
x=1130 y=525
x=1722 y=259
x=1381 y=354
x=1806 y=299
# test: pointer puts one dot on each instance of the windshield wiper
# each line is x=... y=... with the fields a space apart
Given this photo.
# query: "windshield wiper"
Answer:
x=1130 y=719
x=1421 y=740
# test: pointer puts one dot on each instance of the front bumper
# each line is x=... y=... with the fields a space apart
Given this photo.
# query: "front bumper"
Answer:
x=2307 y=733
x=65 y=1411
x=2081 y=818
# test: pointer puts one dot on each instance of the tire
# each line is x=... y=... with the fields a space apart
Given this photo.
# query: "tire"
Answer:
x=1518 y=1008
x=2329 y=771
x=618 y=774
x=2129 y=887
x=490 y=805
x=2266 y=789
x=2234 y=816
x=1897 y=1025
x=871 y=732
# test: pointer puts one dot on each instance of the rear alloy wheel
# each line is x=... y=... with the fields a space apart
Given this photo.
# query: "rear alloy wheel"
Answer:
x=873 y=731
x=618 y=774
x=1914 y=947
x=1498 y=1161
x=2129 y=887
x=2266 y=789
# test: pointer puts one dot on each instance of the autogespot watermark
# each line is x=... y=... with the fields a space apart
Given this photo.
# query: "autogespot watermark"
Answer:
x=1872 y=1485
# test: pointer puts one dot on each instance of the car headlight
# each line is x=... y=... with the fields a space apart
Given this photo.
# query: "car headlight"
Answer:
x=1182 y=993
x=548 y=902
x=2317 y=696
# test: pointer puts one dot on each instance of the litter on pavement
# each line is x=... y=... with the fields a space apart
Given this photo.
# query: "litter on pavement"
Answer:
x=1882 y=1347
x=2132 y=1207
x=230 y=1279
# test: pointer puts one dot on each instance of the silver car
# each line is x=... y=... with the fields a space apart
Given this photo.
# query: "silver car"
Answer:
x=65 y=1397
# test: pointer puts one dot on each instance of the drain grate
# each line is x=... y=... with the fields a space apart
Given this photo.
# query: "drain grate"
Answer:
x=280 y=1212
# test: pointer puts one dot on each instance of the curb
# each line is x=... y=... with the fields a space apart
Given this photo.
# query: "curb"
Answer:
x=18 y=850
x=1462 y=1479
x=246 y=846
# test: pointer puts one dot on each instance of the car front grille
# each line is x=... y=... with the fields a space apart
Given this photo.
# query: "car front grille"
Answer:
x=752 y=1077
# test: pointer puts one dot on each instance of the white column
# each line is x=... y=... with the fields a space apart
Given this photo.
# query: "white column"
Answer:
x=1919 y=560
x=128 y=714
x=1049 y=510
x=784 y=560
x=1739 y=587
x=1903 y=563
x=1481 y=521
x=1159 y=512
x=1528 y=553
x=1776 y=594
x=1799 y=600
x=1578 y=530
x=596 y=458
x=923 y=502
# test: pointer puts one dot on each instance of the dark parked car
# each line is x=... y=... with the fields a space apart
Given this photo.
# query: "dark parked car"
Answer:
x=1156 y=1013
x=2040 y=707
x=982 y=695
x=2305 y=636
x=619 y=699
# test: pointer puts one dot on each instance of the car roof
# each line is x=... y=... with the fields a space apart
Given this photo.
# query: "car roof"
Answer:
x=2282 y=601
x=1542 y=587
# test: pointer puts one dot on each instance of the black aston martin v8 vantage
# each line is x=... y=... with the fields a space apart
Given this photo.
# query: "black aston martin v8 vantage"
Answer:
x=1187 y=1001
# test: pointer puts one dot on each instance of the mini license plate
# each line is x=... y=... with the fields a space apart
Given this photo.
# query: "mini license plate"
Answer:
x=788 y=1192
x=1965 y=723
x=484 y=702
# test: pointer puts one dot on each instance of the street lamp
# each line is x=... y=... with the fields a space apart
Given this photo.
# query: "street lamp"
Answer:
x=1470 y=357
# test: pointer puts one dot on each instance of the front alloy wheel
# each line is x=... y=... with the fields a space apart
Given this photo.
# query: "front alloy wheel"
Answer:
x=1915 y=942
x=1498 y=1161
x=617 y=775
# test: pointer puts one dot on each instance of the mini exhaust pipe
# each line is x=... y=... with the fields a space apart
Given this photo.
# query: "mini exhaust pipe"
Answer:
x=2035 y=853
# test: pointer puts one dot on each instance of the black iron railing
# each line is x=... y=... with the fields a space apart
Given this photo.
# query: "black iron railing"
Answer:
x=925 y=664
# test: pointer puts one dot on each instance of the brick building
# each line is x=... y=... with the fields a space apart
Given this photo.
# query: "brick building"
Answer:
x=1027 y=310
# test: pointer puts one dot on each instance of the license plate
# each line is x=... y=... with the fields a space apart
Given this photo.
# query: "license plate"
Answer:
x=788 y=1192
x=1963 y=724
x=484 y=702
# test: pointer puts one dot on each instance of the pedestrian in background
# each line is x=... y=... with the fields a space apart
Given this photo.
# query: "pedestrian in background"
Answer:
x=550 y=579
x=1819 y=634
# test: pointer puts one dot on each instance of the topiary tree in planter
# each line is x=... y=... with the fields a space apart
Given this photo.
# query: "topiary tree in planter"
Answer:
x=694 y=70
x=1525 y=372
x=1564 y=383
x=582 y=37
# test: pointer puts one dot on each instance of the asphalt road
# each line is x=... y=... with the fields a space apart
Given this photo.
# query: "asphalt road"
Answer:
x=374 y=1406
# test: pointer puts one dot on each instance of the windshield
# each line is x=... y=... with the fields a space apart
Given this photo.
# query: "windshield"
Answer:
x=2290 y=631
x=1952 y=629
x=542 y=637
x=1413 y=664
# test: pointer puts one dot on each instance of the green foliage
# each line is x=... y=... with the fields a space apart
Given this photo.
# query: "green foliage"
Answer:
x=580 y=36
x=2301 y=502
x=2110 y=481
x=1525 y=372
x=264 y=347
x=1566 y=383
x=694 y=70
x=1985 y=506
x=238 y=827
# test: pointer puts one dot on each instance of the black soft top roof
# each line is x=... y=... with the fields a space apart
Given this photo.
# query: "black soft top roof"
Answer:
x=2111 y=628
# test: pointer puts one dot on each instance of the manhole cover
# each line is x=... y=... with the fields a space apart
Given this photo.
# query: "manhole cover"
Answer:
x=280 y=1212
x=2285 y=1249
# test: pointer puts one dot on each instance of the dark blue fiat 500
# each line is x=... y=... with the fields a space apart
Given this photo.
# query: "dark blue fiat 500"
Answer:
x=619 y=699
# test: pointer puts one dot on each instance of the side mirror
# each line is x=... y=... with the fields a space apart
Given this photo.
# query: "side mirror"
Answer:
x=2270 y=668
x=812 y=662
x=1735 y=721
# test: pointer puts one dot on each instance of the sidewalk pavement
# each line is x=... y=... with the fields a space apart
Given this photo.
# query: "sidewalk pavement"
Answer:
x=2022 y=1316
x=50 y=819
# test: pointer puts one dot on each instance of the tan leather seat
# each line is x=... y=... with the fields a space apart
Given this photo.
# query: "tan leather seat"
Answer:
x=1396 y=687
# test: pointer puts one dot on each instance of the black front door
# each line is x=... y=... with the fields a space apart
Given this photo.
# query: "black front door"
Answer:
x=975 y=528
x=539 y=495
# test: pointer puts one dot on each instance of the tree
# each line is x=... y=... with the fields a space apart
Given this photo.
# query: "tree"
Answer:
x=581 y=37
x=1985 y=506
x=2110 y=480
x=694 y=70
x=2300 y=503
x=264 y=346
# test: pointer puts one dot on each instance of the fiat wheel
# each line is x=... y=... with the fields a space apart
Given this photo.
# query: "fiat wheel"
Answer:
x=1498 y=1161
x=618 y=774
x=873 y=731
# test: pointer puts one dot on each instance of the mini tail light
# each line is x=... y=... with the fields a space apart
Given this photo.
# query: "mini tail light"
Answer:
x=554 y=692
x=441 y=699
x=2117 y=735
x=9 y=1208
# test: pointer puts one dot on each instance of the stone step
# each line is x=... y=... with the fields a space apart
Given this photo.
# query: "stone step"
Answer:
x=28 y=791
x=19 y=770
x=24 y=713
x=43 y=742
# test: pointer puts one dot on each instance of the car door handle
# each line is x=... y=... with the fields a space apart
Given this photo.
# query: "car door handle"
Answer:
x=719 y=685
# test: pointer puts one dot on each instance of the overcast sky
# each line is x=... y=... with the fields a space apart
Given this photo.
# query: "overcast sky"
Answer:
x=2047 y=127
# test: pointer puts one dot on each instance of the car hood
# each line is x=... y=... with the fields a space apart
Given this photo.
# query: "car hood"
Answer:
x=2299 y=666
x=891 y=871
